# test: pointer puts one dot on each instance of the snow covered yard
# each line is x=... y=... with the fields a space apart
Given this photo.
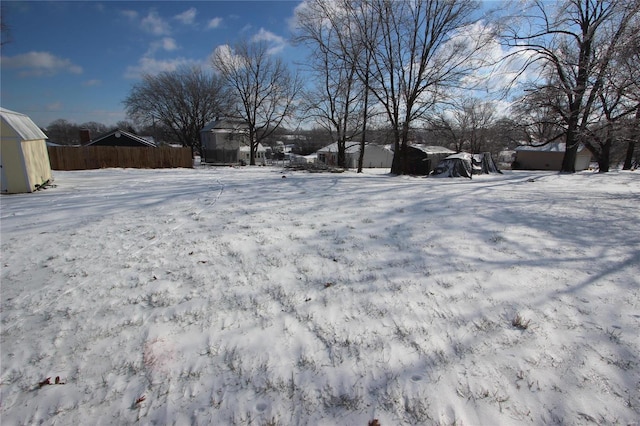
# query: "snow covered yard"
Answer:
x=237 y=296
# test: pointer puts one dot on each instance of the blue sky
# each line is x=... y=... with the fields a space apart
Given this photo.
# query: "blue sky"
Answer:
x=78 y=60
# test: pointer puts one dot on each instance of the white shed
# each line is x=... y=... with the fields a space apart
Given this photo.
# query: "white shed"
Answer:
x=375 y=156
x=24 y=159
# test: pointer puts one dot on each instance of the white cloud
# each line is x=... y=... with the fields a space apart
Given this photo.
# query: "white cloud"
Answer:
x=226 y=54
x=56 y=106
x=167 y=44
x=93 y=82
x=214 y=23
x=154 y=24
x=277 y=42
x=129 y=14
x=40 y=63
x=154 y=66
x=264 y=35
x=187 y=17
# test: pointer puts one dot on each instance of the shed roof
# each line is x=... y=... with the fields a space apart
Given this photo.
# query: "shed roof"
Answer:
x=22 y=124
x=350 y=147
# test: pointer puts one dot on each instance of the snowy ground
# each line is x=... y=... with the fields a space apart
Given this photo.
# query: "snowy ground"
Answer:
x=237 y=296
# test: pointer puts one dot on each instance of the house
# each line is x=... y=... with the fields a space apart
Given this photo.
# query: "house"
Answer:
x=226 y=141
x=506 y=159
x=422 y=159
x=548 y=157
x=122 y=138
x=375 y=156
x=24 y=160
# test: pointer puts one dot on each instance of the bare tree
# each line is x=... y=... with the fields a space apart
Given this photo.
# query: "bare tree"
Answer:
x=183 y=101
x=613 y=105
x=262 y=87
x=407 y=54
x=95 y=129
x=335 y=101
x=125 y=125
x=627 y=69
x=418 y=53
x=63 y=132
x=466 y=127
x=352 y=25
x=573 y=46
x=5 y=30
x=538 y=117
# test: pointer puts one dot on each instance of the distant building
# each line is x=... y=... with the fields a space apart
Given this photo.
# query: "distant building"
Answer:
x=226 y=141
x=375 y=156
x=122 y=138
x=549 y=157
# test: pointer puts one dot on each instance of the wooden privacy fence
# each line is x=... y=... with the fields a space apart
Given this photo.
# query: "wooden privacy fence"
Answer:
x=100 y=157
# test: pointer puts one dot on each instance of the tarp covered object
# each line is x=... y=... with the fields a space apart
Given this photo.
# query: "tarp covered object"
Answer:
x=466 y=165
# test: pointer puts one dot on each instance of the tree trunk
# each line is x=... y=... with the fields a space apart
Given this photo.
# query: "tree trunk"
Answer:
x=253 y=147
x=400 y=165
x=342 y=154
x=361 y=153
x=396 y=164
x=571 y=151
x=604 y=157
x=631 y=146
x=363 y=140
x=628 y=159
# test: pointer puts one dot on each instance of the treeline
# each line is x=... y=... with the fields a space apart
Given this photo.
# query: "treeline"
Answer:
x=64 y=132
x=425 y=71
x=459 y=133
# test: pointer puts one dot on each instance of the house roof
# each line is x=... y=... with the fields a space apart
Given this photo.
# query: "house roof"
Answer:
x=550 y=147
x=22 y=124
x=432 y=149
x=226 y=124
x=118 y=133
x=350 y=147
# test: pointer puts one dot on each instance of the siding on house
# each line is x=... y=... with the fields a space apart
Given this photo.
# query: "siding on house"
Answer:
x=222 y=141
x=375 y=156
x=549 y=157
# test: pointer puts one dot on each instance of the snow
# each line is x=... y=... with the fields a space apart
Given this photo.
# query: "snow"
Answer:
x=239 y=296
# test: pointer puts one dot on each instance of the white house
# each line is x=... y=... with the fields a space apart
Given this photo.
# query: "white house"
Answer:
x=549 y=157
x=24 y=159
x=226 y=141
x=375 y=156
